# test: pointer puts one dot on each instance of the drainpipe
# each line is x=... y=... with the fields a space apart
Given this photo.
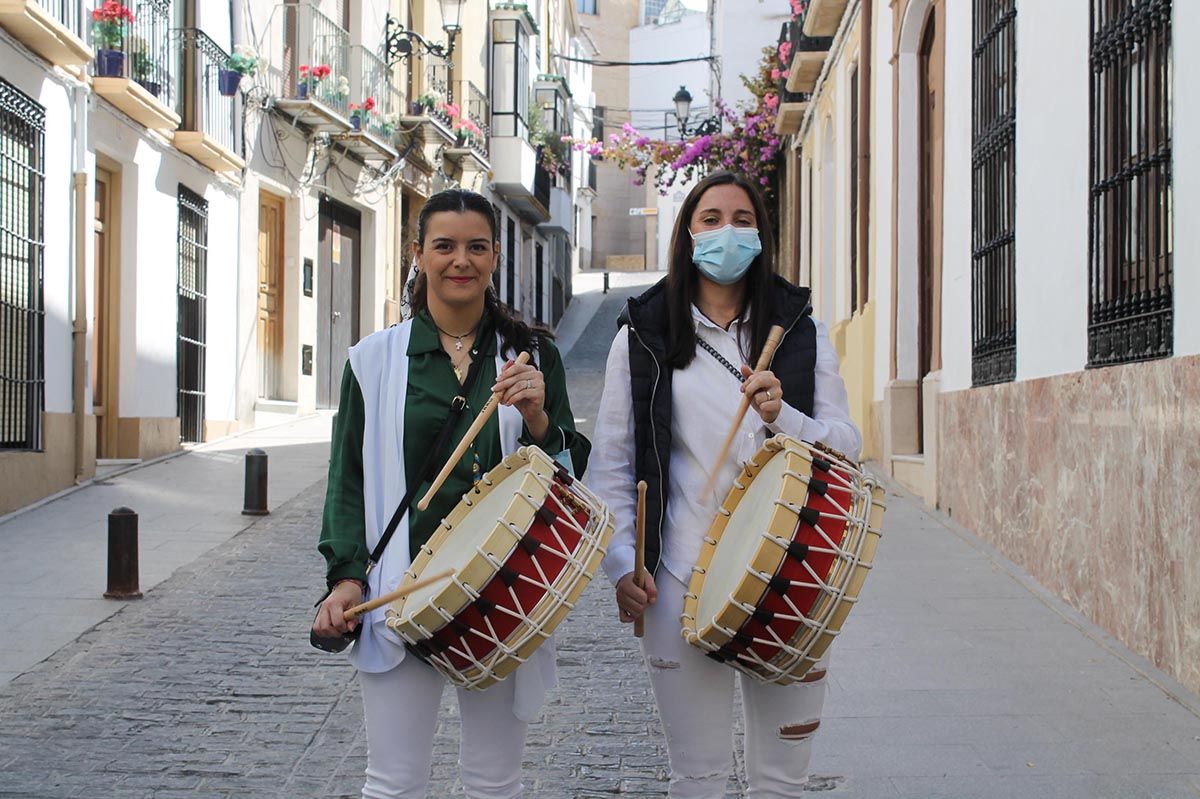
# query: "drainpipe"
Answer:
x=864 y=146
x=79 y=327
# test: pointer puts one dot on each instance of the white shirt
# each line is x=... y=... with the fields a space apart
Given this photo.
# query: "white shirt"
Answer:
x=705 y=397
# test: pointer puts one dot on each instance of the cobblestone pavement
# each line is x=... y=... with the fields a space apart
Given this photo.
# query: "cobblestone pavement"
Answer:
x=208 y=687
x=957 y=678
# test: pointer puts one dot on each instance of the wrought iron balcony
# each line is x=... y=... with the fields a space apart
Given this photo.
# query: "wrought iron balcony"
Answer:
x=822 y=17
x=474 y=108
x=374 y=112
x=807 y=55
x=51 y=28
x=134 y=66
x=207 y=103
x=308 y=67
x=792 y=105
x=438 y=93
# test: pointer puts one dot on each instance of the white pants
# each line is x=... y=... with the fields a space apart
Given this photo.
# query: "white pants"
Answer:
x=695 y=702
x=401 y=708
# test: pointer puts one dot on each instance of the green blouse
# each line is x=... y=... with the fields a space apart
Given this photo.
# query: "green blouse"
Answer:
x=431 y=385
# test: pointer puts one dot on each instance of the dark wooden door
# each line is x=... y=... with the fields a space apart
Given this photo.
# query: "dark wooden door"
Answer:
x=337 y=296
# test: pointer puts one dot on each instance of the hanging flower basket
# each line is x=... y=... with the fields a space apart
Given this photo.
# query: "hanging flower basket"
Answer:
x=228 y=81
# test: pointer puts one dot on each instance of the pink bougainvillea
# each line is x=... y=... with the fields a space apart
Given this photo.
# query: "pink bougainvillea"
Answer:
x=747 y=141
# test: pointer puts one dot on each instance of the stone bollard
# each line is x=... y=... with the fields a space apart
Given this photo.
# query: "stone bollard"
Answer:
x=123 y=555
x=605 y=282
x=255 y=503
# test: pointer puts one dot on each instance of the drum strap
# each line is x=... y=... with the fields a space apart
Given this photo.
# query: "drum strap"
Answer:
x=432 y=462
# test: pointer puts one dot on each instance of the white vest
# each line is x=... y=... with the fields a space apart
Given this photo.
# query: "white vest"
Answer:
x=380 y=364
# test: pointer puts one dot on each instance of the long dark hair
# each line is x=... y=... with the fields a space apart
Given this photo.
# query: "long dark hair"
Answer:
x=515 y=334
x=683 y=277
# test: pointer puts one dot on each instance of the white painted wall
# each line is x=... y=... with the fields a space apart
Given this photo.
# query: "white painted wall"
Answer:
x=28 y=74
x=741 y=30
x=881 y=195
x=654 y=86
x=1185 y=155
x=956 y=209
x=1052 y=188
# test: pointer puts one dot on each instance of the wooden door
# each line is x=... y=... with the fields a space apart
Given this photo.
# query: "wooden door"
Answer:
x=932 y=118
x=338 y=296
x=270 y=294
x=105 y=314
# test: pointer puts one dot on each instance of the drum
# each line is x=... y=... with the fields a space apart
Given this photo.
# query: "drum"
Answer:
x=523 y=544
x=784 y=561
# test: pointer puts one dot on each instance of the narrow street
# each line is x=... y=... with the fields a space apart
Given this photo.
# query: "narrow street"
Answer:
x=957 y=677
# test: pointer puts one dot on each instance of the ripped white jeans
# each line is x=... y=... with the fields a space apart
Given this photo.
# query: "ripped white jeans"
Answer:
x=695 y=702
x=401 y=708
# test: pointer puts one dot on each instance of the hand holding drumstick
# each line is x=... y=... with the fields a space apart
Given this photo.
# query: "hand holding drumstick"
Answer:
x=763 y=389
x=527 y=395
x=636 y=591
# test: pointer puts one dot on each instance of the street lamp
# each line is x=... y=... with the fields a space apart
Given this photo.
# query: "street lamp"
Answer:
x=398 y=40
x=683 y=110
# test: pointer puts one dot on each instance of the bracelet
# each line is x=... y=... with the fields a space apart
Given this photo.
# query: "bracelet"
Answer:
x=362 y=586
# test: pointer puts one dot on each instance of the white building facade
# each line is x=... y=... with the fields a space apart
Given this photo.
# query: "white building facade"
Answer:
x=186 y=252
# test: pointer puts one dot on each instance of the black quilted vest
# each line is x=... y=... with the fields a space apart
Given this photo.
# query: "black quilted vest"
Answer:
x=650 y=381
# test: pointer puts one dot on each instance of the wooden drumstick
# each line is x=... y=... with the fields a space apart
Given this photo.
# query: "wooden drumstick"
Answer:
x=353 y=613
x=639 y=555
x=764 y=360
x=484 y=414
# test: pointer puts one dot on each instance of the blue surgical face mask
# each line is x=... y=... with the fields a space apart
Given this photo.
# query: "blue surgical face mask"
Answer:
x=724 y=255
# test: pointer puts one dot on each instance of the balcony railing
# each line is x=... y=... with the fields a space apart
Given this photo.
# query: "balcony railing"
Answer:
x=54 y=29
x=474 y=107
x=302 y=40
x=375 y=83
x=807 y=56
x=144 y=54
x=203 y=107
x=68 y=13
x=437 y=87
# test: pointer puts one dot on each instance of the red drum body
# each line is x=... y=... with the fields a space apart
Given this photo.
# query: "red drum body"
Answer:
x=523 y=544
x=784 y=561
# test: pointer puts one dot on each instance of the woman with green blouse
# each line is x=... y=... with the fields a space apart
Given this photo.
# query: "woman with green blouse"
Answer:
x=395 y=397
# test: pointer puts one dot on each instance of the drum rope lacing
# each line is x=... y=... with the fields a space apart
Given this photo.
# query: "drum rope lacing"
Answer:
x=798 y=651
x=554 y=593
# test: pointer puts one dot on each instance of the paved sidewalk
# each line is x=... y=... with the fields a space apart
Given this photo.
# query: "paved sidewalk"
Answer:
x=956 y=678
x=56 y=554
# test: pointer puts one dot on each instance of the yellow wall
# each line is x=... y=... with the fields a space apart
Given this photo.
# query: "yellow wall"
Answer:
x=854 y=340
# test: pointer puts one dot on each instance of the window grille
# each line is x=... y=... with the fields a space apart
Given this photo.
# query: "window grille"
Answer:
x=22 y=249
x=993 y=202
x=193 y=280
x=1131 y=230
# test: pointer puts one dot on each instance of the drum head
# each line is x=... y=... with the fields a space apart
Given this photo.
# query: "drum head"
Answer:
x=742 y=537
x=470 y=534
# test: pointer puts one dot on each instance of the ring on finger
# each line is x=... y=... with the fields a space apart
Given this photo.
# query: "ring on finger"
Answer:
x=528 y=384
x=768 y=395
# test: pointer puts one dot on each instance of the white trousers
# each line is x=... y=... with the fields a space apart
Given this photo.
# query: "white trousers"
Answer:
x=401 y=708
x=695 y=702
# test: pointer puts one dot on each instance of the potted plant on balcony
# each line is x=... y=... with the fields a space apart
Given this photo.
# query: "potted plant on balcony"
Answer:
x=141 y=65
x=110 y=24
x=310 y=79
x=244 y=61
x=360 y=115
x=467 y=133
x=336 y=92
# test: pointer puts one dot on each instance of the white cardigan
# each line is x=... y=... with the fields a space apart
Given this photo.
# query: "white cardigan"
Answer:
x=380 y=365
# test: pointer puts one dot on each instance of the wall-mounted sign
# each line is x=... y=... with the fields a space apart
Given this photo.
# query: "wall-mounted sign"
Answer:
x=643 y=212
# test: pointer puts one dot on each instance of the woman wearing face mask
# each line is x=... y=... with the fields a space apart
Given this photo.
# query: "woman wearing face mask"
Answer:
x=395 y=398
x=676 y=374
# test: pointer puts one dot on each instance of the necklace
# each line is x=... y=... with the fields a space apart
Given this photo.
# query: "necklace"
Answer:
x=458 y=338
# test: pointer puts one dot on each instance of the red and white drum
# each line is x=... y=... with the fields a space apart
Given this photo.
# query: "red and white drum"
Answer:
x=523 y=544
x=784 y=561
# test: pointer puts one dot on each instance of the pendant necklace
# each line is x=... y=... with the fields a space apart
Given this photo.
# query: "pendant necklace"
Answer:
x=458 y=338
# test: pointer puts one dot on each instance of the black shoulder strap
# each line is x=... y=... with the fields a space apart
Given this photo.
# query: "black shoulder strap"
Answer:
x=457 y=405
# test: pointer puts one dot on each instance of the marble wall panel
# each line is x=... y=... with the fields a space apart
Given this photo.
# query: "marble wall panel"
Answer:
x=1089 y=481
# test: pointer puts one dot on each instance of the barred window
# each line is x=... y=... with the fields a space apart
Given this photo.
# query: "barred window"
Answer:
x=22 y=312
x=192 y=297
x=993 y=202
x=1131 y=230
